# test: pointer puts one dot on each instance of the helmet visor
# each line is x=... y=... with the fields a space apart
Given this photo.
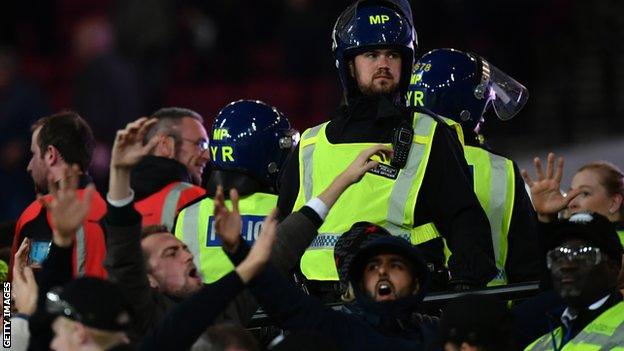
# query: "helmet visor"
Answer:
x=505 y=93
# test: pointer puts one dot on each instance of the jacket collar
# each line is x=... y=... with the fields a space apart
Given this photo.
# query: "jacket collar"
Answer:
x=153 y=173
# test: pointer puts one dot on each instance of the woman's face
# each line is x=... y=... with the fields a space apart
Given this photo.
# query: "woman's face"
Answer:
x=593 y=197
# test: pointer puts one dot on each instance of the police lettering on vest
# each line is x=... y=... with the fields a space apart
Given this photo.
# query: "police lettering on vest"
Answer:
x=251 y=228
x=196 y=228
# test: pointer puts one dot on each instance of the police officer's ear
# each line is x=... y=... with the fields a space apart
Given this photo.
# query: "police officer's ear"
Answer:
x=352 y=69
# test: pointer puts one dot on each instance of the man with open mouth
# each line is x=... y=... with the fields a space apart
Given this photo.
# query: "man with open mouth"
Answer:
x=385 y=278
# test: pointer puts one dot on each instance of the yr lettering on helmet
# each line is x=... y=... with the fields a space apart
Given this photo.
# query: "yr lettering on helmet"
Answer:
x=378 y=19
x=415 y=98
x=226 y=153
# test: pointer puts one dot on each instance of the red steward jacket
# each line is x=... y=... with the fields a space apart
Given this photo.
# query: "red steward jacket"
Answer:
x=163 y=206
x=89 y=246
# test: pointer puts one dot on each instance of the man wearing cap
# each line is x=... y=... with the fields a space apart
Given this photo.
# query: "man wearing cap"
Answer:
x=584 y=265
x=387 y=279
x=92 y=314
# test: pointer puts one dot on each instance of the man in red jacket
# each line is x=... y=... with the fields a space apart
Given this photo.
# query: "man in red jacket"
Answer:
x=58 y=142
x=170 y=176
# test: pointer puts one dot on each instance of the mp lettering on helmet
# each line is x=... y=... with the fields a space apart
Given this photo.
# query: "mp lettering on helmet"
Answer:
x=220 y=134
x=378 y=19
x=416 y=77
x=226 y=153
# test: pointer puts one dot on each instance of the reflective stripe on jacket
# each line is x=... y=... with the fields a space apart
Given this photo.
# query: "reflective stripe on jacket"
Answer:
x=89 y=247
x=494 y=185
x=163 y=206
x=606 y=332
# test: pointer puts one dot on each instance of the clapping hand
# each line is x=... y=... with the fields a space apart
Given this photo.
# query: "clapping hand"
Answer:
x=261 y=251
x=228 y=223
x=546 y=190
x=128 y=148
x=67 y=211
x=363 y=163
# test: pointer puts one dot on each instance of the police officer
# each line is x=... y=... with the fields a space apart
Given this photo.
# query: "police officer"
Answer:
x=426 y=182
x=250 y=142
x=463 y=86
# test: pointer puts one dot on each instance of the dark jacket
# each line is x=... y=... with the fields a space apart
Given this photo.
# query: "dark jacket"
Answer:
x=125 y=265
x=446 y=196
x=397 y=318
x=374 y=328
x=55 y=271
x=153 y=173
x=189 y=319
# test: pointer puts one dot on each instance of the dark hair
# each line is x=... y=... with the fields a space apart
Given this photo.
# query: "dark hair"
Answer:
x=69 y=134
x=150 y=230
x=225 y=335
x=168 y=117
x=611 y=177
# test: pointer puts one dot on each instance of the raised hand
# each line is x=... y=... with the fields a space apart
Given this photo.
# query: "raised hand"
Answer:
x=353 y=173
x=128 y=148
x=228 y=224
x=261 y=251
x=67 y=211
x=363 y=163
x=25 y=290
x=546 y=190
